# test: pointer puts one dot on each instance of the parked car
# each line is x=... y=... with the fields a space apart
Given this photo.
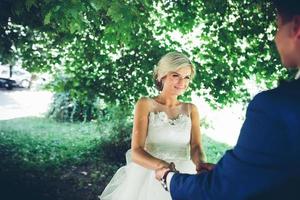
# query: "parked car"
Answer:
x=7 y=83
x=19 y=75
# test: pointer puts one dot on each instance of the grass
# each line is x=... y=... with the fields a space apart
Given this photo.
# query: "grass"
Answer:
x=42 y=142
x=213 y=150
x=43 y=159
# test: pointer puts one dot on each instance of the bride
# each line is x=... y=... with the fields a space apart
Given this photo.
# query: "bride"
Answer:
x=165 y=131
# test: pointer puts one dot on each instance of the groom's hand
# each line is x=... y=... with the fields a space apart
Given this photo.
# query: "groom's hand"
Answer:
x=201 y=167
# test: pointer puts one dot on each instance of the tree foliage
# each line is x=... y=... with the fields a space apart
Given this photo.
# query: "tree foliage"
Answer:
x=107 y=48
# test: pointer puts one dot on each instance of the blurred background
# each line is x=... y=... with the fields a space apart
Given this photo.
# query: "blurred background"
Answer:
x=71 y=72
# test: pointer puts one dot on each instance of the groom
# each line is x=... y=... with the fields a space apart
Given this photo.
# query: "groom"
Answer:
x=265 y=163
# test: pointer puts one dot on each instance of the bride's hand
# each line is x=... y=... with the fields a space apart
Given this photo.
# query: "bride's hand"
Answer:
x=159 y=173
x=163 y=164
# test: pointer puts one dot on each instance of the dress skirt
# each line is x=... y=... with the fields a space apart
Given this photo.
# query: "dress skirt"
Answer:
x=134 y=182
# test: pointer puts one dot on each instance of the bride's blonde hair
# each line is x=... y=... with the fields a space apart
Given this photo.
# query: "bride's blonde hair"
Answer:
x=169 y=63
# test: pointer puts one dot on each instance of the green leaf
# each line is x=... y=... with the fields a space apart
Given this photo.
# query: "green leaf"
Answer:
x=47 y=18
x=29 y=4
x=73 y=27
x=96 y=4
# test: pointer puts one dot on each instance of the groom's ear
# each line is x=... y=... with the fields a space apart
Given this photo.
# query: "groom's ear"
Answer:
x=296 y=27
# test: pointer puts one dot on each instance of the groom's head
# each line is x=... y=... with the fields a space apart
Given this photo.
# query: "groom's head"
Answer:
x=288 y=31
x=287 y=9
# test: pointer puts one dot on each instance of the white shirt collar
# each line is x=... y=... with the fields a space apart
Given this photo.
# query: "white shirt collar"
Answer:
x=298 y=74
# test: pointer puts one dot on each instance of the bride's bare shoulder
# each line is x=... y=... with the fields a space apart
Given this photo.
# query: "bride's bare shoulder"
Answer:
x=144 y=102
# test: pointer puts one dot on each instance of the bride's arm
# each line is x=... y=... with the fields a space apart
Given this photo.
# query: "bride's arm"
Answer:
x=139 y=133
x=197 y=154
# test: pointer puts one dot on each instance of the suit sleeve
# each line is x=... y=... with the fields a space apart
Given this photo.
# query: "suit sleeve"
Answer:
x=254 y=164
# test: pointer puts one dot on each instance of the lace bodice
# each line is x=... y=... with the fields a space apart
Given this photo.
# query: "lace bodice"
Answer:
x=169 y=138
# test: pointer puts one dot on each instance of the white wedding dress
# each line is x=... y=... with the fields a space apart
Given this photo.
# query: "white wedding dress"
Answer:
x=168 y=138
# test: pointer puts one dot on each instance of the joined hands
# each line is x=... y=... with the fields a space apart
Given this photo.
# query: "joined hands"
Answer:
x=204 y=167
x=160 y=172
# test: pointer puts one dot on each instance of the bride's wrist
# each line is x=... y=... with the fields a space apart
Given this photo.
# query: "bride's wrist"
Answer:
x=200 y=162
x=162 y=164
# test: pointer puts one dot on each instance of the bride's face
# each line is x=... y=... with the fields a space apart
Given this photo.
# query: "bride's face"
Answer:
x=177 y=82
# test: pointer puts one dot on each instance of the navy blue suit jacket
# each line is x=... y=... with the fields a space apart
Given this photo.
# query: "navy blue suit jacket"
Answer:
x=264 y=164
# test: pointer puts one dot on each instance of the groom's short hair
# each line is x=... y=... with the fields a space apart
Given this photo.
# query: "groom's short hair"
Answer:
x=287 y=9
